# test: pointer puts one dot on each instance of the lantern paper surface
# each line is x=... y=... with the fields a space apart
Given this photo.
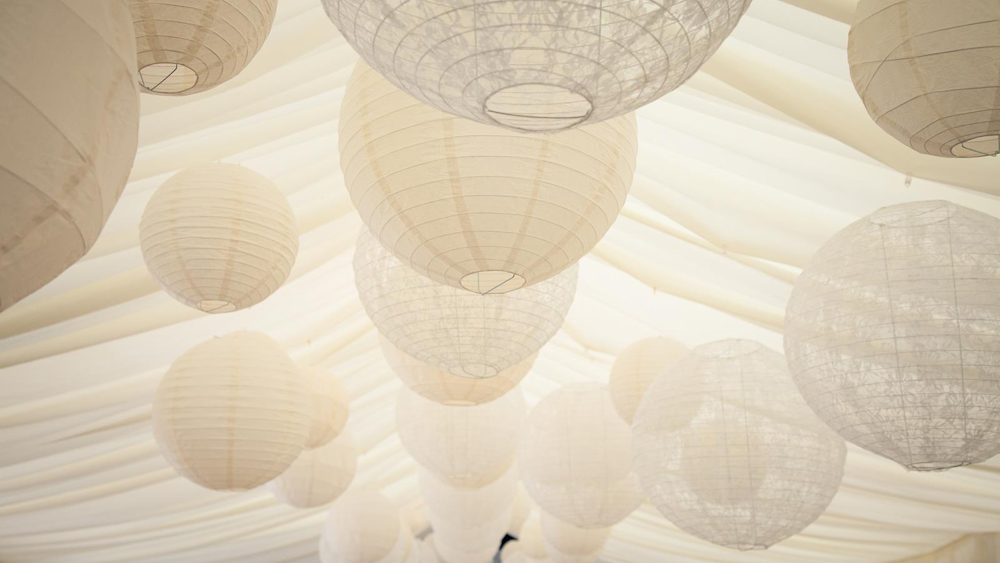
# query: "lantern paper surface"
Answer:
x=570 y=540
x=330 y=407
x=636 y=367
x=318 y=476
x=465 y=506
x=362 y=527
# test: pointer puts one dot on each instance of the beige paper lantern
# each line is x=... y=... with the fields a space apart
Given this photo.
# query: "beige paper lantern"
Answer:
x=330 y=407
x=893 y=334
x=636 y=367
x=511 y=552
x=451 y=554
x=571 y=540
x=318 y=476
x=928 y=73
x=454 y=330
x=556 y=556
x=465 y=506
x=530 y=538
x=472 y=538
x=752 y=466
x=362 y=527
x=189 y=46
x=520 y=511
x=219 y=237
x=474 y=206
x=70 y=130
x=232 y=413
x=536 y=65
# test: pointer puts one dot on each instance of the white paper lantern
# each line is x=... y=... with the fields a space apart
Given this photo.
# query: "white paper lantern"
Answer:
x=451 y=554
x=232 y=413
x=929 y=72
x=465 y=506
x=530 y=538
x=471 y=538
x=70 y=130
x=189 y=46
x=536 y=65
x=556 y=556
x=318 y=476
x=751 y=465
x=571 y=540
x=893 y=334
x=330 y=407
x=219 y=237
x=362 y=527
x=520 y=511
x=511 y=552
x=636 y=367
x=452 y=329
x=575 y=458
x=474 y=206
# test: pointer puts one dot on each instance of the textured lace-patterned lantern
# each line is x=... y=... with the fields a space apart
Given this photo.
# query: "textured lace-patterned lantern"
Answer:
x=318 y=476
x=636 y=367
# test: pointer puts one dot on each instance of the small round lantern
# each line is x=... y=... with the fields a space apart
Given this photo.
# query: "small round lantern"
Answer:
x=636 y=367
x=318 y=476
x=330 y=407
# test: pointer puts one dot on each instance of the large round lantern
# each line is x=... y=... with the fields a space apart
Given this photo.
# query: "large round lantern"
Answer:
x=189 y=46
x=70 y=130
x=474 y=206
x=929 y=72
x=536 y=65
x=362 y=527
x=318 y=476
x=232 y=413
x=892 y=334
x=636 y=367
x=457 y=331
x=330 y=407
x=727 y=449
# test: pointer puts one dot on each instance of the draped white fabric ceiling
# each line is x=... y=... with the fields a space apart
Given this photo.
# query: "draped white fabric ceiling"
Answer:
x=742 y=174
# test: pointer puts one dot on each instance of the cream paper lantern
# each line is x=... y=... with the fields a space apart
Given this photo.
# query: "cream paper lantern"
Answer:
x=556 y=556
x=571 y=540
x=362 y=527
x=928 y=73
x=189 y=46
x=472 y=538
x=636 y=367
x=330 y=407
x=575 y=458
x=232 y=413
x=465 y=506
x=521 y=510
x=454 y=330
x=318 y=476
x=530 y=538
x=219 y=237
x=451 y=554
x=752 y=465
x=70 y=131
x=473 y=206
x=511 y=552
x=892 y=334
x=536 y=65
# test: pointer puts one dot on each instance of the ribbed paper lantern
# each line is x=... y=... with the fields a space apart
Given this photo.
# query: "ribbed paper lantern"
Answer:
x=471 y=507
x=318 y=476
x=70 y=130
x=893 y=334
x=232 y=413
x=570 y=540
x=636 y=367
x=330 y=407
x=536 y=65
x=929 y=72
x=575 y=458
x=219 y=237
x=451 y=554
x=189 y=46
x=751 y=465
x=474 y=206
x=452 y=329
x=362 y=527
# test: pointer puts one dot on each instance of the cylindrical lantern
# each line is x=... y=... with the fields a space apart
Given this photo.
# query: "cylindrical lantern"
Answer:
x=891 y=334
x=636 y=367
x=727 y=449
x=330 y=407
x=318 y=476
x=454 y=330
x=464 y=506
x=451 y=554
x=70 y=130
x=219 y=237
x=189 y=46
x=536 y=65
x=569 y=539
x=929 y=72
x=362 y=527
x=473 y=206
x=575 y=458
x=232 y=413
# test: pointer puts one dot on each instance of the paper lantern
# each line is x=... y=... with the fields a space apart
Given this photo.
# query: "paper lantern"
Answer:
x=471 y=538
x=70 y=130
x=511 y=552
x=450 y=554
x=454 y=330
x=536 y=65
x=571 y=540
x=752 y=465
x=520 y=511
x=928 y=72
x=556 y=556
x=636 y=367
x=893 y=332
x=232 y=413
x=219 y=237
x=330 y=407
x=318 y=476
x=362 y=527
x=575 y=458
x=470 y=507
x=474 y=206
x=463 y=446
x=189 y=46
x=427 y=553
x=530 y=538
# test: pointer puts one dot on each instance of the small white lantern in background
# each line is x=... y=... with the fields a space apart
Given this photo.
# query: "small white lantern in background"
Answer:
x=330 y=407
x=636 y=367
x=362 y=527
x=318 y=476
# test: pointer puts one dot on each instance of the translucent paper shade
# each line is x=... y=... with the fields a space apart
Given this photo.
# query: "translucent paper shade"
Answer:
x=567 y=539
x=929 y=73
x=530 y=538
x=330 y=407
x=70 y=130
x=521 y=510
x=636 y=367
x=464 y=536
x=466 y=506
x=474 y=206
x=232 y=413
x=450 y=554
x=536 y=65
x=362 y=527
x=726 y=448
x=893 y=334
x=318 y=476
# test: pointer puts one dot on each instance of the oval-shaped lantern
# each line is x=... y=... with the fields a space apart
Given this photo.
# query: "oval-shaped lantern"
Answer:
x=927 y=73
x=454 y=330
x=536 y=65
x=362 y=527
x=726 y=448
x=232 y=413
x=575 y=458
x=474 y=206
x=189 y=46
x=70 y=131
x=318 y=476
x=636 y=367
x=330 y=407
x=889 y=334
x=219 y=237
x=465 y=506
x=570 y=540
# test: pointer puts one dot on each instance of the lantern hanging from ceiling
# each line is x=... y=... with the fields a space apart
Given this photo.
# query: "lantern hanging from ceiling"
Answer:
x=530 y=538
x=567 y=539
x=330 y=407
x=472 y=538
x=318 y=476
x=521 y=510
x=465 y=506
x=636 y=367
x=511 y=552
x=451 y=554
x=362 y=527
